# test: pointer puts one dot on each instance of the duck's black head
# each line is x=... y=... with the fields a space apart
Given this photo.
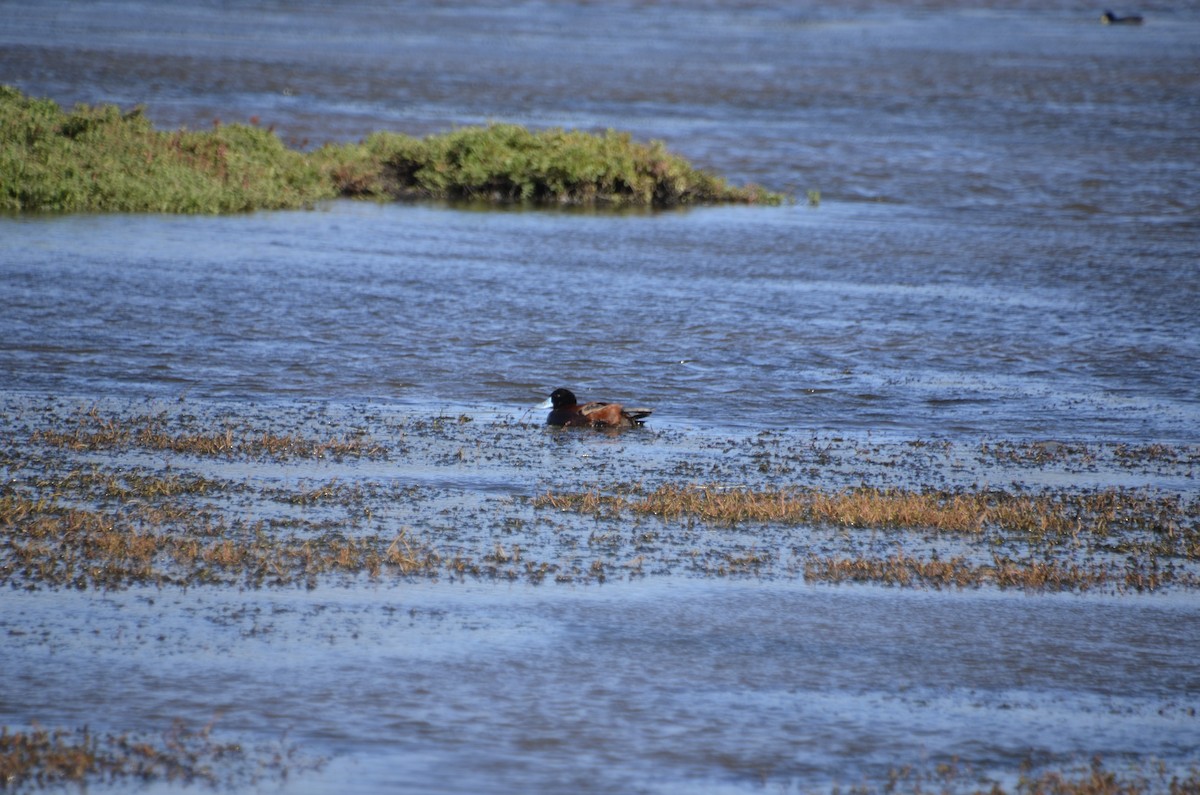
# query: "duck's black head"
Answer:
x=562 y=398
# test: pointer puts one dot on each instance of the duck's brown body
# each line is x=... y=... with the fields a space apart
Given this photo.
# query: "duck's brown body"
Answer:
x=567 y=412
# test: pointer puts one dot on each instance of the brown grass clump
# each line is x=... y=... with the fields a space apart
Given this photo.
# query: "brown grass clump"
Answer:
x=962 y=512
x=94 y=432
x=42 y=758
x=955 y=778
x=1119 y=539
x=1101 y=781
x=590 y=502
x=1156 y=452
x=406 y=555
x=97 y=434
x=1037 y=453
x=42 y=542
x=265 y=444
x=907 y=570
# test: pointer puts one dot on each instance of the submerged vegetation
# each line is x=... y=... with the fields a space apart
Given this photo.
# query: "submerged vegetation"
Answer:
x=99 y=159
x=1136 y=538
x=48 y=759
x=1093 y=778
x=191 y=496
x=88 y=503
x=42 y=759
x=964 y=512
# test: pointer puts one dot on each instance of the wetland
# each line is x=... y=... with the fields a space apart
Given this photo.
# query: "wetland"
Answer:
x=184 y=498
x=469 y=548
x=916 y=509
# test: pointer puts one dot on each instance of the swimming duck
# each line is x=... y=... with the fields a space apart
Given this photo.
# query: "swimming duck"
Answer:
x=566 y=411
x=1109 y=18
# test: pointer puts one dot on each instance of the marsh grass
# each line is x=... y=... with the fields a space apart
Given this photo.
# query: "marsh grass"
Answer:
x=1092 y=778
x=1138 y=538
x=909 y=570
x=48 y=759
x=94 y=432
x=96 y=526
x=46 y=543
x=90 y=502
x=961 y=512
x=98 y=159
x=1040 y=453
x=45 y=759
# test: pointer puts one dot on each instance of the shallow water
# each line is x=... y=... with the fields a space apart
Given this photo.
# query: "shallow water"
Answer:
x=743 y=317
x=1006 y=247
x=649 y=687
x=1007 y=235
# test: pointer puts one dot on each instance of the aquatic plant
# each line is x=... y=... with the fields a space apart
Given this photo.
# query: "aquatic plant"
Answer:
x=108 y=500
x=43 y=542
x=509 y=163
x=44 y=758
x=94 y=432
x=910 y=570
x=958 y=511
x=98 y=159
x=1136 y=537
x=1091 y=778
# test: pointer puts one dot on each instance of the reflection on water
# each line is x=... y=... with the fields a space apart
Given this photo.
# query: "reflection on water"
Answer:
x=1006 y=246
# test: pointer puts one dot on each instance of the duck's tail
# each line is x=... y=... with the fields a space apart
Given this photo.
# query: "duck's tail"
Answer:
x=638 y=415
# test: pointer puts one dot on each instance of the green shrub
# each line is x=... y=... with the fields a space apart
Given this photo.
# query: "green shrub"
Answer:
x=508 y=163
x=96 y=159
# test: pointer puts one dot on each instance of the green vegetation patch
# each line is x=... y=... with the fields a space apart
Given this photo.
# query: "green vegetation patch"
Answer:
x=508 y=163
x=98 y=159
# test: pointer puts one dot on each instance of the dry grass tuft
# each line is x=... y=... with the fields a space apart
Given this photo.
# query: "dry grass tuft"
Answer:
x=955 y=778
x=42 y=758
x=42 y=542
x=1136 y=537
x=907 y=570
x=95 y=432
x=962 y=512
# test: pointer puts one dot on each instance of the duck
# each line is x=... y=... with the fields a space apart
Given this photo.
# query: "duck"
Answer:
x=566 y=411
x=1109 y=18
